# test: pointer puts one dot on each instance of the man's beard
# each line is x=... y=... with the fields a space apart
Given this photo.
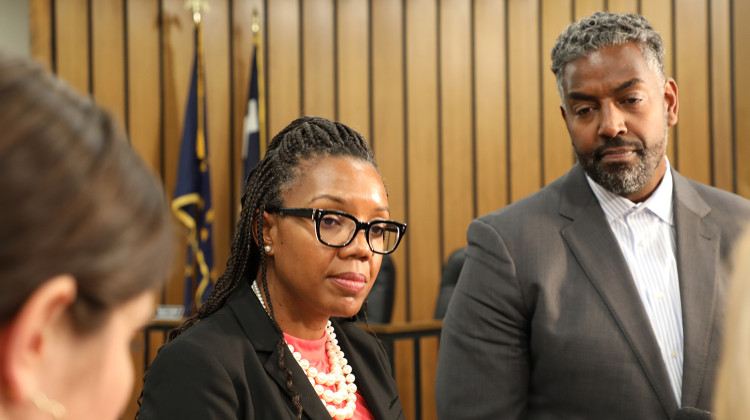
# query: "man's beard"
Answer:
x=623 y=178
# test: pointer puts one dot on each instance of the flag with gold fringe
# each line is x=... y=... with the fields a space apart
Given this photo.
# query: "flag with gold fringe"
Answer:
x=192 y=195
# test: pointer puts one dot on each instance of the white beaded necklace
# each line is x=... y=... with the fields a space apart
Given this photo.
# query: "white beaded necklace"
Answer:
x=340 y=377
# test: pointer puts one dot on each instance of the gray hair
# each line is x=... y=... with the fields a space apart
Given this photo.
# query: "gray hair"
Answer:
x=604 y=29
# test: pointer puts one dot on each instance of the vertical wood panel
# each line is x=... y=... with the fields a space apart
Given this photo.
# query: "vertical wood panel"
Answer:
x=423 y=168
x=388 y=119
x=144 y=95
x=557 y=154
x=742 y=94
x=490 y=98
x=721 y=95
x=524 y=93
x=622 y=6
x=218 y=111
x=40 y=26
x=72 y=43
x=422 y=140
x=693 y=151
x=354 y=65
x=659 y=15
x=283 y=77
x=584 y=8
x=318 y=58
x=457 y=123
x=388 y=143
x=177 y=59
x=109 y=58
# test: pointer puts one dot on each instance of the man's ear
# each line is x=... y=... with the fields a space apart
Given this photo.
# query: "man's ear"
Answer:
x=30 y=337
x=672 y=101
x=564 y=114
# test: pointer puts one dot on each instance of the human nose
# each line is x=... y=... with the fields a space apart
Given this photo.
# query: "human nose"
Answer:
x=612 y=123
x=359 y=246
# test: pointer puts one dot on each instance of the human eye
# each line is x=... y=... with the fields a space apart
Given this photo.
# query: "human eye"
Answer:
x=377 y=231
x=632 y=100
x=330 y=221
x=583 y=110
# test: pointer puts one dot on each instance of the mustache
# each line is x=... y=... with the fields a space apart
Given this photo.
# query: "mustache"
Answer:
x=614 y=142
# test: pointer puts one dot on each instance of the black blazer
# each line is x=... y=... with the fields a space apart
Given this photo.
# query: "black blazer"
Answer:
x=226 y=367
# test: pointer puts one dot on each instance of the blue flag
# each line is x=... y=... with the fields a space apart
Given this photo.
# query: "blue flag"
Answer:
x=192 y=195
x=251 y=124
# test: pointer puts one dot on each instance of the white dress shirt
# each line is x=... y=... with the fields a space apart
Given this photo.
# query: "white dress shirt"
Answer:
x=645 y=232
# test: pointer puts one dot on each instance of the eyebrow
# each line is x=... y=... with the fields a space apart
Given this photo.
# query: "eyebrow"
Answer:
x=341 y=201
x=623 y=86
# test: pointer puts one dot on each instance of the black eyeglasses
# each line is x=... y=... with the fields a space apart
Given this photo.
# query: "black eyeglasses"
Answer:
x=338 y=229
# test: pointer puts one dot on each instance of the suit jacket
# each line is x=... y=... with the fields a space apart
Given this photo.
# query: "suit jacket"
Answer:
x=226 y=367
x=546 y=321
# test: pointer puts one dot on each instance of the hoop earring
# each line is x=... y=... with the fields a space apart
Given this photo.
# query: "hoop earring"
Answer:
x=51 y=407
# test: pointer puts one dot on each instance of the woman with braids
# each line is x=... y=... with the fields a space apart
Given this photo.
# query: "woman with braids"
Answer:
x=275 y=339
x=85 y=239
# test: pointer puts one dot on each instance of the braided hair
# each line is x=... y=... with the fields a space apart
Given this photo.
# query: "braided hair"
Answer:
x=304 y=139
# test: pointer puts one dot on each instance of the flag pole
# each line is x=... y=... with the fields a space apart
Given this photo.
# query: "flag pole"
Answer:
x=198 y=7
x=258 y=45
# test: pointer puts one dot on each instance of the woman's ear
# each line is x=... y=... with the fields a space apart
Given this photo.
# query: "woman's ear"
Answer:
x=269 y=225
x=269 y=229
x=31 y=336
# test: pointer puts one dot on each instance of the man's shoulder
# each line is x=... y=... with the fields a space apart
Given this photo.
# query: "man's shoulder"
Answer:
x=717 y=199
x=541 y=203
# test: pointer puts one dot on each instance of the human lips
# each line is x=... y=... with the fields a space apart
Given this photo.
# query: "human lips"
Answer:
x=354 y=282
x=616 y=154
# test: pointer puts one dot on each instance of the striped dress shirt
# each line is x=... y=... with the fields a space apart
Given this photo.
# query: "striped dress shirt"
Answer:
x=646 y=235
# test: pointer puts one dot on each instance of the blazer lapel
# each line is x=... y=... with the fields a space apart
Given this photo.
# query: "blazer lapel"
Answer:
x=263 y=336
x=697 y=259
x=595 y=247
x=369 y=385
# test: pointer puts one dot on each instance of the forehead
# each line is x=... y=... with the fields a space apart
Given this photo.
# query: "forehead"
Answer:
x=345 y=178
x=607 y=67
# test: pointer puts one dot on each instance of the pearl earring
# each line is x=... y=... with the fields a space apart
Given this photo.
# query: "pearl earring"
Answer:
x=267 y=248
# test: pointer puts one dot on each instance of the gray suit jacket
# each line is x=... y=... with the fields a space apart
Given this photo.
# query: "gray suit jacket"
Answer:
x=546 y=321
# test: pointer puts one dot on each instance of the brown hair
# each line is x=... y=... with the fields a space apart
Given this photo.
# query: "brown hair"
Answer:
x=74 y=199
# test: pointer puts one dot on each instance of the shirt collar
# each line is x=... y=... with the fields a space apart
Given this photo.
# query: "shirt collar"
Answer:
x=615 y=206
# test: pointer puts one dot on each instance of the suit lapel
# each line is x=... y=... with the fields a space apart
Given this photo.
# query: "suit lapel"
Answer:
x=697 y=259
x=591 y=240
x=371 y=386
x=261 y=333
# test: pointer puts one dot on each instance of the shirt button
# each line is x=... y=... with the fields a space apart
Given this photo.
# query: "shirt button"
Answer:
x=660 y=295
x=674 y=354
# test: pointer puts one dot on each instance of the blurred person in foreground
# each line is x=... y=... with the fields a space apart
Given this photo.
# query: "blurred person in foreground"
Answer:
x=601 y=295
x=85 y=238
x=275 y=338
x=732 y=400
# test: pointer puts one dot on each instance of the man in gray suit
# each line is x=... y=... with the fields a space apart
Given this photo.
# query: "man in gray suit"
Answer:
x=600 y=296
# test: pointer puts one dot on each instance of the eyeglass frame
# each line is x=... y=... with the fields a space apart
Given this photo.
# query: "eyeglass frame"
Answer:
x=317 y=215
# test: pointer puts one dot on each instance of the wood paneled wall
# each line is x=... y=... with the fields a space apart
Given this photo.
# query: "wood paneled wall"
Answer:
x=455 y=96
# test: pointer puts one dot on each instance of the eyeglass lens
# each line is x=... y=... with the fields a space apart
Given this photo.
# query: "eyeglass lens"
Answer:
x=337 y=230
